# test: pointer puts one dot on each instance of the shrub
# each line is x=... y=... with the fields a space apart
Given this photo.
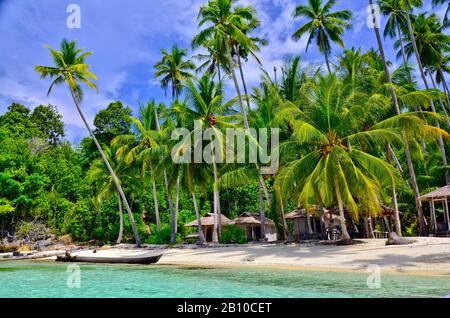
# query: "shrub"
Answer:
x=233 y=234
x=161 y=237
x=32 y=231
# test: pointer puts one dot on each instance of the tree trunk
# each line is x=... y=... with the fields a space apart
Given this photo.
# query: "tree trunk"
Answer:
x=327 y=60
x=155 y=199
x=177 y=199
x=405 y=59
x=444 y=85
x=424 y=78
x=111 y=171
x=440 y=100
x=345 y=235
x=215 y=204
x=412 y=172
x=173 y=236
x=244 y=116
x=201 y=237
x=119 y=239
x=247 y=98
x=415 y=187
x=261 y=213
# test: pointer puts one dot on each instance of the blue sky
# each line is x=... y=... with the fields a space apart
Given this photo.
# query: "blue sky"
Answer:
x=126 y=38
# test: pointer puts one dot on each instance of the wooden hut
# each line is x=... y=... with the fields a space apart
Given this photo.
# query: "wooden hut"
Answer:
x=251 y=223
x=208 y=225
x=306 y=225
x=439 y=196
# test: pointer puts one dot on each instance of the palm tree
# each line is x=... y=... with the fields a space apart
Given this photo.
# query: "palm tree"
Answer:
x=228 y=27
x=408 y=6
x=393 y=9
x=323 y=25
x=146 y=150
x=408 y=153
x=99 y=174
x=70 y=68
x=339 y=135
x=174 y=69
x=208 y=108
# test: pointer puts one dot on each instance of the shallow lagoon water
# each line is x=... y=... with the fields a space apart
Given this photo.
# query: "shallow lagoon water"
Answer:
x=48 y=280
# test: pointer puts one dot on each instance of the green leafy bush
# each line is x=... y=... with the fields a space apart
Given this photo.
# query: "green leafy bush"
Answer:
x=233 y=234
x=161 y=237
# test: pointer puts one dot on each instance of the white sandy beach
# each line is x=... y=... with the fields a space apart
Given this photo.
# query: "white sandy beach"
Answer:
x=428 y=256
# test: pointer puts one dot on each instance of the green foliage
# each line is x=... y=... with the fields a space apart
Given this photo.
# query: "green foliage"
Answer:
x=233 y=234
x=162 y=237
x=112 y=122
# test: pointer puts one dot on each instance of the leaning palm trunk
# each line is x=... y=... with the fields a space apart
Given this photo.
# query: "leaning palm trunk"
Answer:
x=247 y=98
x=111 y=171
x=201 y=237
x=433 y=109
x=412 y=172
x=119 y=239
x=440 y=100
x=173 y=235
x=327 y=61
x=244 y=116
x=405 y=59
x=261 y=200
x=155 y=200
x=444 y=85
x=345 y=235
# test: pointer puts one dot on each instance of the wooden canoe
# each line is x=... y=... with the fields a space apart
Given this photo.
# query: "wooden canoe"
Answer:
x=110 y=260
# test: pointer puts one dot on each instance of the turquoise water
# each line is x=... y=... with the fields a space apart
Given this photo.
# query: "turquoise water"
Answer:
x=47 y=279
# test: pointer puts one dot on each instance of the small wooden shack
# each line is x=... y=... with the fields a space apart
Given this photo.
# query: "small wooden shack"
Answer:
x=208 y=225
x=306 y=226
x=441 y=195
x=251 y=223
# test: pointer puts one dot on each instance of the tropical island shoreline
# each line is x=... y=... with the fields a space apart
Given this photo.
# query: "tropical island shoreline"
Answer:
x=427 y=256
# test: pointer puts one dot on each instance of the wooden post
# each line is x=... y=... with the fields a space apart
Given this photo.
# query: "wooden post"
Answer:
x=433 y=216
x=447 y=214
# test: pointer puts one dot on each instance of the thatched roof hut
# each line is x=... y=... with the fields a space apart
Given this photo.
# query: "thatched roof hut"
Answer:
x=249 y=218
x=208 y=220
x=208 y=225
x=440 y=194
x=251 y=223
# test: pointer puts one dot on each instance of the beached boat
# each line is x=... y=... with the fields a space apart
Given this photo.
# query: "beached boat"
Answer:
x=110 y=260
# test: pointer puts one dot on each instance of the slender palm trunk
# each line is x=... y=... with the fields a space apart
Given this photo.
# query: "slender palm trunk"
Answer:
x=155 y=199
x=177 y=203
x=111 y=171
x=398 y=225
x=261 y=200
x=345 y=235
x=402 y=46
x=445 y=87
x=247 y=98
x=261 y=213
x=327 y=60
x=440 y=100
x=412 y=172
x=119 y=239
x=424 y=78
x=201 y=237
x=245 y=117
x=215 y=204
x=173 y=236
